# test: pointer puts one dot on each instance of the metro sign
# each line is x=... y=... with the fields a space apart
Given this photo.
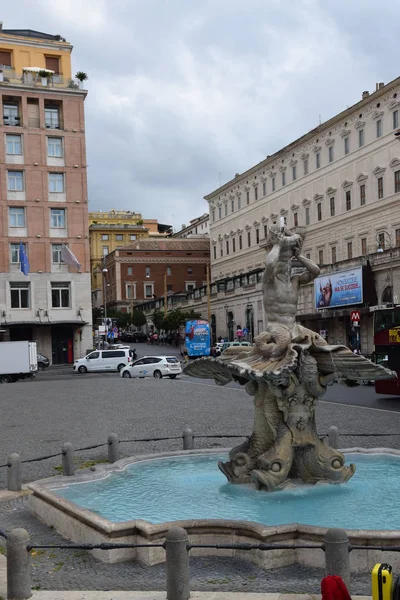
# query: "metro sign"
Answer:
x=355 y=316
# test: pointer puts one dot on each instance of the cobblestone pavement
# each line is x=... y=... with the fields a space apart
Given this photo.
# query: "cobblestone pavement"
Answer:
x=38 y=418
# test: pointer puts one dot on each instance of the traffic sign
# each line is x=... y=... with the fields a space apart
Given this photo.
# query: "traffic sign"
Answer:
x=355 y=316
x=245 y=331
x=115 y=329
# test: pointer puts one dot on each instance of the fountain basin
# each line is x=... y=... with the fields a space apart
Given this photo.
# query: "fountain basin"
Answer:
x=187 y=489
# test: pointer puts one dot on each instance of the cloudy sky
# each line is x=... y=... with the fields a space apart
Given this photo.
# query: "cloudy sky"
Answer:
x=185 y=93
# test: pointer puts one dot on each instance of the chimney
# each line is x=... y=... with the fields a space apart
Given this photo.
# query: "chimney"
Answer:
x=1 y=25
x=365 y=95
x=381 y=85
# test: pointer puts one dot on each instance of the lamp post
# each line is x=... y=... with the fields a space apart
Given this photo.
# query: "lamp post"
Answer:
x=249 y=307
x=105 y=271
x=226 y=307
x=380 y=250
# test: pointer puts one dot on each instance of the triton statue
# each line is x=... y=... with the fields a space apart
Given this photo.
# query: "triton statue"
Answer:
x=286 y=371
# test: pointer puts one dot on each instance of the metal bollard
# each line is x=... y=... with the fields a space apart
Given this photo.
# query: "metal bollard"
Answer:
x=113 y=448
x=187 y=436
x=14 y=472
x=176 y=547
x=333 y=437
x=337 y=556
x=19 y=576
x=68 y=459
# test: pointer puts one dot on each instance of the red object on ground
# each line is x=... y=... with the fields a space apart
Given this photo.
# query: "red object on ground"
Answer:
x=333 y=588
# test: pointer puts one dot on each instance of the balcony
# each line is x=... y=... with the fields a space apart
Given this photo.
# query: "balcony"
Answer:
x=10 y=78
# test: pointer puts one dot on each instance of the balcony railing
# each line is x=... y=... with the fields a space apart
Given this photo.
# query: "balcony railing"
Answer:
x=9 y=77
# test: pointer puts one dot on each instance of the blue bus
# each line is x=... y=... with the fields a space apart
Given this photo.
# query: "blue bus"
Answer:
x=197 y=338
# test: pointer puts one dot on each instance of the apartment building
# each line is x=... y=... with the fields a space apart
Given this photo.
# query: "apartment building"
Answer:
x=115 y=229
x=197 y=227
x=43 y=197
x=339 y=185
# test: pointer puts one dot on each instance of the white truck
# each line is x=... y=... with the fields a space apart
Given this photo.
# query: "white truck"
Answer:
x=18 y=360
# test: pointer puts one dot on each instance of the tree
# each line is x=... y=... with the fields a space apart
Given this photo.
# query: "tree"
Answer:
x=138 y=318
x=158 y=319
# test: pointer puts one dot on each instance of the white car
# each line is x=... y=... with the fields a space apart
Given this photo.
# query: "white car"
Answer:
x=153 y=366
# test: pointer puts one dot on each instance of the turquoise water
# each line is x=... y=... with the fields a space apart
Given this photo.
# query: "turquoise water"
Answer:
x=192 y=487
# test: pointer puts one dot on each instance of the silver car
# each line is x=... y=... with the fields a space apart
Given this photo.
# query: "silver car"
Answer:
x=153 y=366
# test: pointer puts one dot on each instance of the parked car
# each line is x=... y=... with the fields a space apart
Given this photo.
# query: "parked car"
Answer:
x=134 y=337
x=104 y=360
x=226 y=345
x=42 y=362
x=153 y=366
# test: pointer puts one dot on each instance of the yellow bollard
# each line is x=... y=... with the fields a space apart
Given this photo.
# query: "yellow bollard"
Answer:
x=382 y=580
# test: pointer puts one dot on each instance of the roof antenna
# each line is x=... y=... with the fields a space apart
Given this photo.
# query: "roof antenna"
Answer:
x=320 y=120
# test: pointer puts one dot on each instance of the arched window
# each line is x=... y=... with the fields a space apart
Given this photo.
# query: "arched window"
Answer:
x=387 y=296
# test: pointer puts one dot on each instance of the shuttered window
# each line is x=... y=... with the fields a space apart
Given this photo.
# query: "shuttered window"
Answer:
x=5 y=58
x=53 y=64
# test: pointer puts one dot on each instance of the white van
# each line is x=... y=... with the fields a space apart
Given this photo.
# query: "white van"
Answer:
x=104 y=360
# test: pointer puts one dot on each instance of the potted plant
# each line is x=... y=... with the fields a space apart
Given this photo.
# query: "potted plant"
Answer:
x=81 y=76
x=45 y=76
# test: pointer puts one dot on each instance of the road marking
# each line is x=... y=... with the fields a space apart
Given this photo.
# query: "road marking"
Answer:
x=393 y=412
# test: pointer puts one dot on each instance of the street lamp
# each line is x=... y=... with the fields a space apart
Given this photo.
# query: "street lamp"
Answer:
x=105 y=271
x=249 y=307
x=226 y=307
x=380 y=250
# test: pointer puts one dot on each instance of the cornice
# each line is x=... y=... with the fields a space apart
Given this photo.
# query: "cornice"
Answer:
x=359 y=124
x=378 y=114
x=329 y=142
x=294 y=207
x=378 y=171
x=304 y=156
x=347 y=184
x=256 y=224
x=293 y=162
x=395 y=103
x=273 y=216
x=264 y=219
x=394 y=163
x=331 y=191
x=316 y=149
x=306 y=202
x=361 y=177
x=345 y=132
x=162 y=259
x=272 y=174
x=282 y=168
x=283 y=212
x=247 y=227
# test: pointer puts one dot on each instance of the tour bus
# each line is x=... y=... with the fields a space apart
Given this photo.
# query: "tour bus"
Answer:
x=387 y=347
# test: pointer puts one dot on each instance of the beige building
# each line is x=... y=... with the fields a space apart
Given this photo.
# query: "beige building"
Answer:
x=340 y=184
x=43 y=196
x=198 y=227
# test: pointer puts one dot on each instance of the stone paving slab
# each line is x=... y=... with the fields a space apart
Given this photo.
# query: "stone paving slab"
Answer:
x=162 y=595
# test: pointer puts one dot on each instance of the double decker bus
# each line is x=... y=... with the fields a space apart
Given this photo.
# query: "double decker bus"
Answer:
x=387 y=347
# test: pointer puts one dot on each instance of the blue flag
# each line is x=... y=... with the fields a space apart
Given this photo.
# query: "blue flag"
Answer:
x=24 y=259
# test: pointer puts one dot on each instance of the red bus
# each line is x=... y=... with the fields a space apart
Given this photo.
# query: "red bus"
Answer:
x=387 y=347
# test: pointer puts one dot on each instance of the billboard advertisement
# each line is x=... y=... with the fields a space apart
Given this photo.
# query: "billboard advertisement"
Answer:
x=339 y=289
x=197 y=338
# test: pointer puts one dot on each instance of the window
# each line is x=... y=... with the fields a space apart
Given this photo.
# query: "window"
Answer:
x=14 y=144
x=169 y=271
x=104 y=237
x=10 y=115
x=15 y=257
x=346 y=145
x=396 y=182
x=265 y=231
x=305 y=166
x=221 y=251
x=56 y=254
x=119 y=237
x=148 y=290
x=56 y=183
x=321 y=257
x=226 y=209
x=57 y=218
x=219 y=212
x=132 y=237
x=319 y=211
x=147 y=271
x=5 y=58
x=215 y=252
x=362 y=194
x=307 y=215
x=395 y=119
x=60 y=295
x=381 y=241
x=380 y=187
x=318 y=160
x=105 y=250
x=333 y=252
x=19 y=294
x=294 y=173
x=52 y=117
x=227 y=247
x=247 y=197
x=295 y=220
x=190 y=286
x=255 y=193
x=53 y=64
x=213 y=215
x=378 y=128
x=249 y=239
x=130 y=289
x=361 y=138
x=283 y=178
x=397 y=237
x=232 y=208
x=130 y=271
x=190 y=270
x=330 y=153
x=239 y=201
x=240 y=243
x=233 y=245
x=15 y=181
x=55 y=147
x=273 y=184
x=348 y=200
x=349 y=250
x=257 y=236
x=264 y=189
x=363 y=246
x=332 y=206
x=16 y=217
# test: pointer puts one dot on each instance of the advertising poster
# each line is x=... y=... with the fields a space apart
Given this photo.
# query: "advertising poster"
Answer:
x=339 y=289
x=197 y=338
